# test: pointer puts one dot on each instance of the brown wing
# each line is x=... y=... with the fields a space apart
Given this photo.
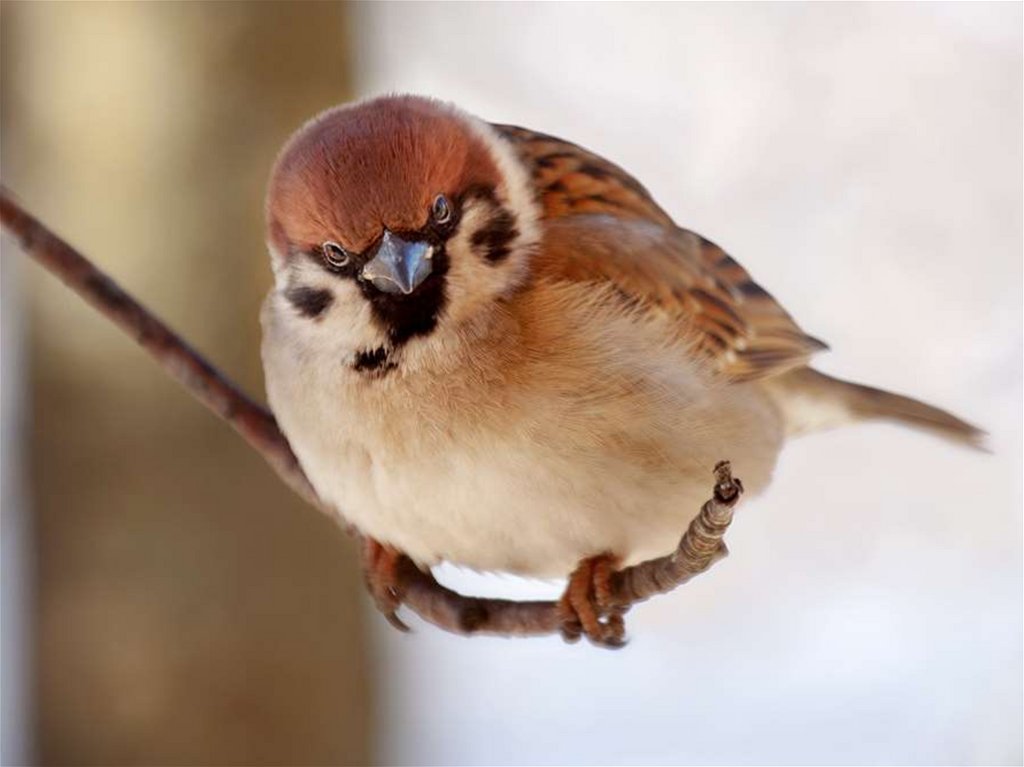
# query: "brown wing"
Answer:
x=602 y=226
x=571 y=180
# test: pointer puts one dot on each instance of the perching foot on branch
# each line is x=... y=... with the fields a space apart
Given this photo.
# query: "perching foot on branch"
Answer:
x=381 y=564
x=589 y=606
x=596 y=597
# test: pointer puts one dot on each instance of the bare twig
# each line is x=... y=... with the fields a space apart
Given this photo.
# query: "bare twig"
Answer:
x=699 y=548
x=172 y=353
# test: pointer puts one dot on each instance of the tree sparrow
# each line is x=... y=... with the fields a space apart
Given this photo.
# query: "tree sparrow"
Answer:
x=490 y=346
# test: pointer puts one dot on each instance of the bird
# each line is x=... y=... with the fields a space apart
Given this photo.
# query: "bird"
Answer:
x=491 y=347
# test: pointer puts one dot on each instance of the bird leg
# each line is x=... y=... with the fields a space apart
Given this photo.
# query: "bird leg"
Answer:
x=588 y=605
x=380 y=571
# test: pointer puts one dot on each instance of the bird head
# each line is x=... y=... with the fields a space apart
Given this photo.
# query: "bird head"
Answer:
x=393 y=220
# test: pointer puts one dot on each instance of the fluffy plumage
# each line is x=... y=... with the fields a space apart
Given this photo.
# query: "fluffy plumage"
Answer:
x=578 y=362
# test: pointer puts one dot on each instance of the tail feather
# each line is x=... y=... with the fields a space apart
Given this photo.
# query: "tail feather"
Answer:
x=812 y=401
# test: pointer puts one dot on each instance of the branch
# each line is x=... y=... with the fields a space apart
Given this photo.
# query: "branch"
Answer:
x=172 y=353
x=698 y=550
x=700 y=547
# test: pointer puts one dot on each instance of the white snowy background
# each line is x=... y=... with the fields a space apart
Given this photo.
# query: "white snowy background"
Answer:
x=864 y=163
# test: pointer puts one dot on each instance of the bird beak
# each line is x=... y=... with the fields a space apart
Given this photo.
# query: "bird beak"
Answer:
x=399 y=266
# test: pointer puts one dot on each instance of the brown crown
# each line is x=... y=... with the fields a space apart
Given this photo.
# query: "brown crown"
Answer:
x=356 y=169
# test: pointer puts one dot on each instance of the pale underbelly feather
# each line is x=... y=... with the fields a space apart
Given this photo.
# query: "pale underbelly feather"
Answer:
x=530 y=505
x=521 y=491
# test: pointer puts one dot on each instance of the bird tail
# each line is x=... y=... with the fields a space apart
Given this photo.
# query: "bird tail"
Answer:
x=813 y=401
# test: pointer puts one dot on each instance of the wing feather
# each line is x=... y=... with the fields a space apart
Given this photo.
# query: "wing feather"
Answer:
x=602 y=226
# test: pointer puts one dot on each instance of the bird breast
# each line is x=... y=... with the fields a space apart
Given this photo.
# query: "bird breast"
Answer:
x=564 y=431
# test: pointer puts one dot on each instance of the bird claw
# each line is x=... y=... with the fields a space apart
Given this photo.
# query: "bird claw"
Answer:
x=380 y=571
x=588 y=606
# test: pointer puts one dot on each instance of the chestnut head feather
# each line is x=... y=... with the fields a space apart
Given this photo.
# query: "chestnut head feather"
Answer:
x=355 y=169
x=403 y=205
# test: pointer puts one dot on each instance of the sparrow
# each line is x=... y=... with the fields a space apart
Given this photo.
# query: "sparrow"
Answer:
x=492 y=347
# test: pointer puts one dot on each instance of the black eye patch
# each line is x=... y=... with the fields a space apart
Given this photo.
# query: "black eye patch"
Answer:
x=309 y=302
x=496 y=236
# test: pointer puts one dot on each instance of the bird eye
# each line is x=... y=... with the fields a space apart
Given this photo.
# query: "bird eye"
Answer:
x=441 y=210
x=335 y=256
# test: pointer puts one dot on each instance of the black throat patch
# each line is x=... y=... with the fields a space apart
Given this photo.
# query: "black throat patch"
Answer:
x=374 y=361
x=404 y=317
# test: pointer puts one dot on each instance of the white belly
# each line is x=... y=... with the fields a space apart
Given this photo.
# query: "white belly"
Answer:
x=527 y=474
x=507 y=507
x=533 y=497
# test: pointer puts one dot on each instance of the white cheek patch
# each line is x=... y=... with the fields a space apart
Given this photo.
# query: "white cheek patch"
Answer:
x=507 y=229
x=517 y=186
x=344 y=323
x=474 y=280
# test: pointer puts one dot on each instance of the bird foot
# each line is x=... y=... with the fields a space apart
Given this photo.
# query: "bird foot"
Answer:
x=380 y=571
x=588 y=606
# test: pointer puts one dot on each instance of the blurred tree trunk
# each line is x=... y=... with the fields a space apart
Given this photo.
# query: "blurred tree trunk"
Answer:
x=189 y=608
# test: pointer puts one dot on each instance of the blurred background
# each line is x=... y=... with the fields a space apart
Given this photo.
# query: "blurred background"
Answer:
x=167 y=601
